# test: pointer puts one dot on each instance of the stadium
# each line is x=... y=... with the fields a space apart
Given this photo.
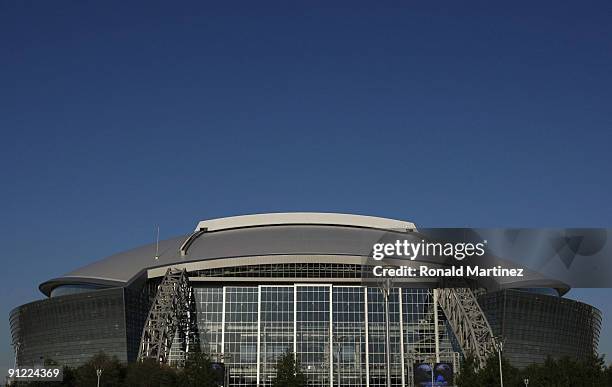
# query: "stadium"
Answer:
x=247 y=289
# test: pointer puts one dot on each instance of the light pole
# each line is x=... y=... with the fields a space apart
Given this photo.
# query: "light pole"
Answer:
x=526 y=381
x=338 y=361
x=99 y=373
x=433 y=365
x=226 y=368
x=338 y=339
x=386 y=289
x=499 y=346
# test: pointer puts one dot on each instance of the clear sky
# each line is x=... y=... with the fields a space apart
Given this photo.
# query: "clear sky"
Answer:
x=117 y=116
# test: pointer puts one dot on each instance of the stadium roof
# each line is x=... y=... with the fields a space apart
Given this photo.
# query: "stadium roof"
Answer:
x=239 y=236
x=262 y=235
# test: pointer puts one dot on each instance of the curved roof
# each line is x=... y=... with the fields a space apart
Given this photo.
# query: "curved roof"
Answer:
x=243 y=236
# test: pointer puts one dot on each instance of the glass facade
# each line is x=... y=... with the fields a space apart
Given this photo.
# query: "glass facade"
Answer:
x=289 y=270
x=336 y=331
x=349 y=335
x=209 y=304
x=71 y=329
x=336 y=328
x=535 y=326
x=377 y=338
x=276 y=328
x=240 y=334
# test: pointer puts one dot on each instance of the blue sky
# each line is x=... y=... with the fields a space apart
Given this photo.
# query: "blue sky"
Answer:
x=118 y=116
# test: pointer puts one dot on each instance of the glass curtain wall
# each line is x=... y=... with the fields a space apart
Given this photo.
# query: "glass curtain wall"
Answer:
x=377 y=338
x=276 y=328
x=349 y=336
x=336 y=332
x=240 y=336
x=313 y=332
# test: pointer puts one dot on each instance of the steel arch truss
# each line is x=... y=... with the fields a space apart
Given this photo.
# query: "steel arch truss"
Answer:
x=468 y=322
x=172 y=312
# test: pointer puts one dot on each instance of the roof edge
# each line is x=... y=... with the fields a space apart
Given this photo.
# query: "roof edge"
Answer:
x=47 y=287
x=310 y=218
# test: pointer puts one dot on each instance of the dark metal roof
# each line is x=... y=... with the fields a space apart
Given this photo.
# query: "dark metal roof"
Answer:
x=257 y=240
x=267 y=240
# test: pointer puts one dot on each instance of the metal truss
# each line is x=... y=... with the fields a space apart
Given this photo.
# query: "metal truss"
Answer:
x=172 y=312
x=468 y=322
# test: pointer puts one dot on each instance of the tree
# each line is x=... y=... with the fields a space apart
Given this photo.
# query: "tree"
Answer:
x=607 y=376
x=489 y=375
x=289 y=372
x=150 y=373
x=468 y=374
x=69 y=377
x=564 y=372
x=198 y=371
x=567 y=372
x=113 y=372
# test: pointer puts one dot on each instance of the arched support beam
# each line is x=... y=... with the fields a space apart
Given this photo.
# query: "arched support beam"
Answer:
x=468 y=322
x=171 y=313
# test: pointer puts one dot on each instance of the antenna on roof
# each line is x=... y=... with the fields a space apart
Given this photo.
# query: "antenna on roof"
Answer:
x=157 y=245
